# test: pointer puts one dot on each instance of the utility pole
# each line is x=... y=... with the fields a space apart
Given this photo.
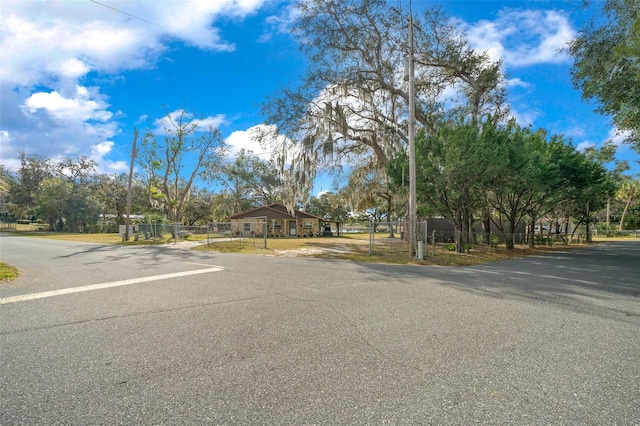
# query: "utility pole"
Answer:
x=133 y=157
x=412 y=145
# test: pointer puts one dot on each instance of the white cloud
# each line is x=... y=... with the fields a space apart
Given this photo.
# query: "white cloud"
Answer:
x=260 y=140
x=523 y=37
x=5 y=137
x=48 y=48
x=524 y=116
x=41 y=50
x=72 y=38
x=98 y=153
x=211 y=122
x=617 y=136
x=614 y=135
x=516 y=82
x=170 y=120
x=73 y=68
x=279 y=24
x=83 y=106
x=583 y=146
x=575 y=132
x=52 y=124
x=102 y=149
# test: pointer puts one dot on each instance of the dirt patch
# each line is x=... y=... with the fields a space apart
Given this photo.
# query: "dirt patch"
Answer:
x=312 y=251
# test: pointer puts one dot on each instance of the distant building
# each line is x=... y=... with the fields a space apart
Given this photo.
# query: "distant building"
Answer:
x=280 y=223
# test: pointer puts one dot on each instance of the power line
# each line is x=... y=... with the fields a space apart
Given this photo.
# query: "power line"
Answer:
x=237 y=55
x=125 y=13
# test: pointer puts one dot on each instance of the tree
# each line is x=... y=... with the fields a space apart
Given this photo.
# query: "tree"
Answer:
x=628 y=193
x=250 y=181
x=525 y=177
x=81 y=210
x=369 y=188
x=111 y=192
x=586 y=185
x=452 y=165
x=353 y=106
x=267 y=189
x=67 y=199
x=33 y=170
x=66 y=206
x=78 y=171
x=222 y=206
x=198 y=209
x=51 y=200
x=607 y=64
x=187 y=151
x=329 y=206
x=7 y=181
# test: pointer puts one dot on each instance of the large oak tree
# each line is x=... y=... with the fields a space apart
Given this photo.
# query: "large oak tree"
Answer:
x=353 y=106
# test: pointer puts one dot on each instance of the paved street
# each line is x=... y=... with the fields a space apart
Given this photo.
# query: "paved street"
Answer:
x=94 y=334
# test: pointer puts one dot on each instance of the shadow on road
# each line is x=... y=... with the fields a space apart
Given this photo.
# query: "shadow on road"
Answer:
x=602 y=280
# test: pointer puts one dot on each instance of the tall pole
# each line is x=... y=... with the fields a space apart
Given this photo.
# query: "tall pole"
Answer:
x=412 y=145
x=133 y=156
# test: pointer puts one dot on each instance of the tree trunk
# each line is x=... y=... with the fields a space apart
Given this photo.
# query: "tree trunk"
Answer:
x=389 y=208
x=624 y=214
x=460 y=231
x=466 y=229
x=532 y=232
x=464 y=237
x=487 y=230
x=509 y=243
x=588 y=222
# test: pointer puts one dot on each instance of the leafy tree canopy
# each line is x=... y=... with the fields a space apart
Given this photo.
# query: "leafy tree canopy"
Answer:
x=353 y=106
x=607 y=64
x=185 y=151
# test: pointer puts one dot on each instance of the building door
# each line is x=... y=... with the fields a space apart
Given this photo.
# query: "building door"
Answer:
x=292 y=228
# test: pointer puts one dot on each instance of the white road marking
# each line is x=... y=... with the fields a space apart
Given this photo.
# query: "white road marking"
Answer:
x=71 y=290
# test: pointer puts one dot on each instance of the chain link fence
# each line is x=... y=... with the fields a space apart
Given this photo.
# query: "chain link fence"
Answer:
x=164 y=231
x=383 y=237
x=7 y=226
x=254 y=230
x=389 y=237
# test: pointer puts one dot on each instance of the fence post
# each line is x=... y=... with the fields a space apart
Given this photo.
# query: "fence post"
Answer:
x=433 y=242
x=426 y=236
x=370 y=237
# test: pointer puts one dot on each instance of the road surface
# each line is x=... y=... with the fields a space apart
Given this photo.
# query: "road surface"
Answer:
x=95 y=334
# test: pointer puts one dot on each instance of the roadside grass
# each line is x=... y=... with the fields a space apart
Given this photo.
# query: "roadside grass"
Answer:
x=604 y=238
x=356 y=248
x=353 y=247
x=99 y=238
x=8 y=272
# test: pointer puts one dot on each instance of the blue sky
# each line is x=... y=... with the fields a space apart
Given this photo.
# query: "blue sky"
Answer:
x=77 y=76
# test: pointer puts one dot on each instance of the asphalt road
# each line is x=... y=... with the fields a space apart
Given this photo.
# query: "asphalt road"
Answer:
x=551 y=339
